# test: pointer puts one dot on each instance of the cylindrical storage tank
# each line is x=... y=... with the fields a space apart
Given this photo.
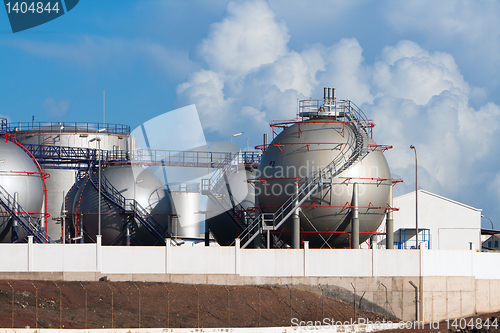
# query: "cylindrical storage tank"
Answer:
x=220 y=223
x=20 y=178
x=305 y=148
x=134 y=183
x=115 y=139
x=186 y=207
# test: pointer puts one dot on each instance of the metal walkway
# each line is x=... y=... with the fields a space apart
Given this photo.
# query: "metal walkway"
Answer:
x=80 y=158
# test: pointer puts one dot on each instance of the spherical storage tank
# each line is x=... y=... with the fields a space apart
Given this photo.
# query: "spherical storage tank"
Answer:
x=134 y=183
x=20 y=178
x=304 y=147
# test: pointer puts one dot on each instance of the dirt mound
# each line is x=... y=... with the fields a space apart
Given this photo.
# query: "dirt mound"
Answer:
x=167 y=305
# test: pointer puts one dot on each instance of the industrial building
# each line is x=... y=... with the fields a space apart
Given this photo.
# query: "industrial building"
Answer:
x=444 y=224
x=311 y=202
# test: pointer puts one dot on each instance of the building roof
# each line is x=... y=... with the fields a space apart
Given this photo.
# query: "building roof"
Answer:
x=442 y=198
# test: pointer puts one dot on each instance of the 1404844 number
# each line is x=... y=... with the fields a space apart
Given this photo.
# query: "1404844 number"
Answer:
x=477 y=324
x=24 y=7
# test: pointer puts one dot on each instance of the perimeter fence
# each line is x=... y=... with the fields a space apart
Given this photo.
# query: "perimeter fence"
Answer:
x=93 y=305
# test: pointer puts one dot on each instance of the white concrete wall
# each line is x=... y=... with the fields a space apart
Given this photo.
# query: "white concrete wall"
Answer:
x=93 y=258
x=63 y=258
x=201 y=260
x=13 y=258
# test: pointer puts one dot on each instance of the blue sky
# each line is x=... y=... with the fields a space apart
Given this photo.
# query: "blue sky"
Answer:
x=426 y=72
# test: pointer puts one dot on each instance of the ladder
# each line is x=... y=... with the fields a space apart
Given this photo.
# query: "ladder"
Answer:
x=22 y=217
x=214 y=189
x=128 y=206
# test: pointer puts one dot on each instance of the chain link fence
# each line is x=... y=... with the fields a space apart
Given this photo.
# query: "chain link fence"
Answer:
x=93 y=305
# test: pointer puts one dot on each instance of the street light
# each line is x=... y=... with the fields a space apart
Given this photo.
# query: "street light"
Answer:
x=416 y=194
x=232 y=136
x=60 y=137
x=486 y=217
x=99 y=190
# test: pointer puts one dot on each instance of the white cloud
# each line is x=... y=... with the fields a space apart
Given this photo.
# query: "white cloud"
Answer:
x=469 y=29
x=204 y=88
x=56 y=109
x=345 y=70
x=414 y=96
x=247 y=38
x=407 y=71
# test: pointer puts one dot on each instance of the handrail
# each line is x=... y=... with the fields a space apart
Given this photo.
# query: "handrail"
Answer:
x=50 y=153
x=23 y=217
x=128 y=205
x=182 y=158
x=71 y=127
x=3 y=125
x=215 y=184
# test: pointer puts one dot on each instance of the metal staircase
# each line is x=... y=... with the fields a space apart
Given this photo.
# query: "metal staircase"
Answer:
x=129 y=206
x=214 y=189
x=348 y=156
x=22 y=217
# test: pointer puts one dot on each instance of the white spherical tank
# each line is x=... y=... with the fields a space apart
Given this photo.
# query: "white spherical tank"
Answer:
x=325 y=218
x=21 y=179
x=134 y=183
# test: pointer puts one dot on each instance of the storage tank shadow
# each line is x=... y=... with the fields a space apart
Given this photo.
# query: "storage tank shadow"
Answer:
x=21 y=180
x=235 y=191
x=133 y=183
x=326 y=136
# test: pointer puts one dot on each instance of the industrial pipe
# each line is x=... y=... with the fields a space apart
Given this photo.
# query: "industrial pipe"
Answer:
x=416 y=299
x=296 y=221
x=389 y=229
x=355 y=218
x=14 y=236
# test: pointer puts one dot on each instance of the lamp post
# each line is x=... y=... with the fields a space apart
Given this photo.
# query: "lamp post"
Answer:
x=99 y=190
x=231 y=147
x=486 y=217
x=416 y=194
x=61 y=127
